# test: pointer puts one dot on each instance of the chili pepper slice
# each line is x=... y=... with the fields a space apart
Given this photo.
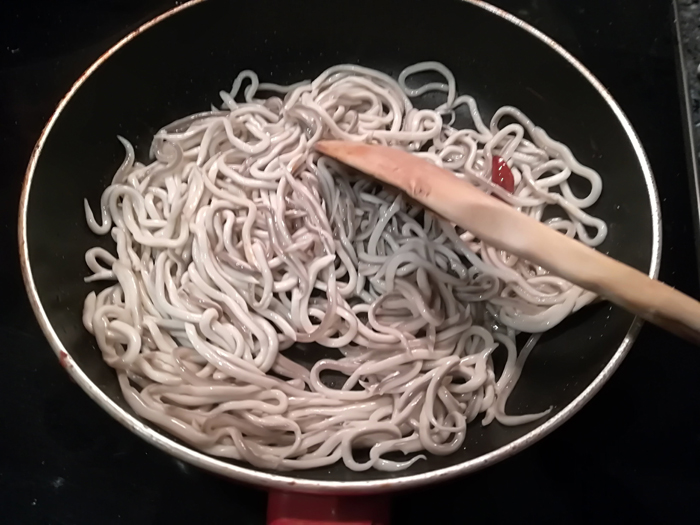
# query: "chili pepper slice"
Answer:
x=501 y=174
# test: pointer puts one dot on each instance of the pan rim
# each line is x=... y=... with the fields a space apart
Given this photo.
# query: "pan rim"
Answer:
x=277 y=481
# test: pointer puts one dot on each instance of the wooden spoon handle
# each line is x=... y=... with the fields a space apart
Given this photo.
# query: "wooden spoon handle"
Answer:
x=505 y=228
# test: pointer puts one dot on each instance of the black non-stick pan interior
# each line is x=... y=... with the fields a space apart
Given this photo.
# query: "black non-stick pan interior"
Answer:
x=178 y=67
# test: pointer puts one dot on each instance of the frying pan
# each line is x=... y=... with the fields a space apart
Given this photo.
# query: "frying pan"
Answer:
x=176 y=64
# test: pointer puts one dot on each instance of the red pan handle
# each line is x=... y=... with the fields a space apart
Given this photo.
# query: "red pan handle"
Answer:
x=286 y=508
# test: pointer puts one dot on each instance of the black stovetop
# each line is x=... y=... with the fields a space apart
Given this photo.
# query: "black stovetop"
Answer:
x=632 y=455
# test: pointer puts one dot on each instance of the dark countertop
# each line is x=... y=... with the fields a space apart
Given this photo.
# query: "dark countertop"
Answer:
x=632 y=455
x=688 y=35
x=689 y=23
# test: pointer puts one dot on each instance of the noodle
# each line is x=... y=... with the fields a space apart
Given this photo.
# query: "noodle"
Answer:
x=239 y=241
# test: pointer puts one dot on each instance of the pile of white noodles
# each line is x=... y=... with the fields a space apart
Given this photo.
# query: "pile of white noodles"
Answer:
x=239 y=241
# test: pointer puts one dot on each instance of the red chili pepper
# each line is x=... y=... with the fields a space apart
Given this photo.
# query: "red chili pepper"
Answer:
x=501 y=174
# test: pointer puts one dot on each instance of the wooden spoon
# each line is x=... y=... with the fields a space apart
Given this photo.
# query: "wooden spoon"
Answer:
x=505 y=228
